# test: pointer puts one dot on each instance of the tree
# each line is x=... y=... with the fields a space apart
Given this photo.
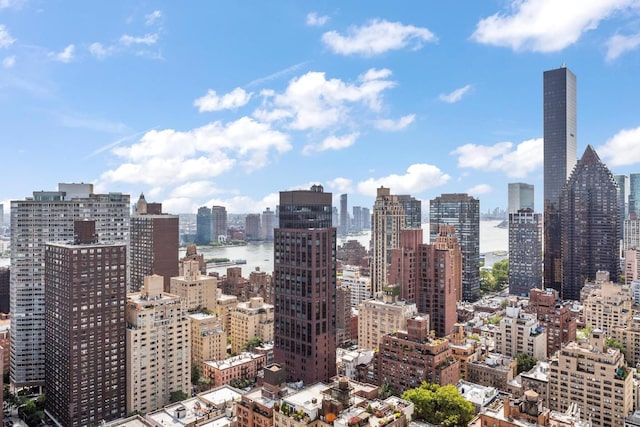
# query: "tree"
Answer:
x=525 y=362
x=195 y=374
x=177 y=396
x=440 y=405
x=614 y=343
x=252 y=343
x=500 y=272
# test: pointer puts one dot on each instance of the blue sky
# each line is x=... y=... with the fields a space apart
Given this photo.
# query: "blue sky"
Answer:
x=228 y=102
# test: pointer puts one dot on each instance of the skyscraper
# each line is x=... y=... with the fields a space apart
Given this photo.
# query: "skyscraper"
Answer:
x=462 y=212
x=344 y=215
x=49 y=216
x=268 y=224
x=634 y=194
x=525 y=251
x=252 y=227
x=589 y=214
x=623 y=196
x=154 y=244
x=560 y=136
x=203 y=226
x=85 y=291
x=218 y=223
x=520 y=196
x=357 y=219
x=412 y=211
x=388 y=219
x=304 y=286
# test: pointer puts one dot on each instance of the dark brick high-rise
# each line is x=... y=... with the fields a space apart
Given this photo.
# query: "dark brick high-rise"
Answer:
x=85 y=292
x=589 y=212
x=154 y=243
x=304 y=286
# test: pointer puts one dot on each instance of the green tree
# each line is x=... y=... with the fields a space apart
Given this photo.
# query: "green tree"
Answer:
x=487 y=282
x=525 y=362
x=440 y=405
x=252 y=343
x=177 y=396
x=500 y=272
x=614 y=343
x=195 y=374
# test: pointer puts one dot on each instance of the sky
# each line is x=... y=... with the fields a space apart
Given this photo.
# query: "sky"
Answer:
x=227 y=103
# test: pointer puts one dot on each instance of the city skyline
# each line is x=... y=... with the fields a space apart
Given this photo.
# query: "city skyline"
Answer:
x=203 y=106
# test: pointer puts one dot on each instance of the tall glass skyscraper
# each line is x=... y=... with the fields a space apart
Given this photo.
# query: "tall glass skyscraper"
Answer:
x=560 y=140
x=463 y=212
x=520 y=196
x=589 y=214
x=634 y=194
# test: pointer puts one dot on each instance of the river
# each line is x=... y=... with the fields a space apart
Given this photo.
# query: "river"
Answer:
x=260 y=255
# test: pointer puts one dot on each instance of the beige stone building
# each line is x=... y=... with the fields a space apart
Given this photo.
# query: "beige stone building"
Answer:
x=520 y=333
x=208 y=339
x=629 y=337
x=495 y=370
x=225 y=304
x=251 y=319
x=158 y=347
x=608 y=306
x=380 y=317
x=198 y=291
x=593 y=377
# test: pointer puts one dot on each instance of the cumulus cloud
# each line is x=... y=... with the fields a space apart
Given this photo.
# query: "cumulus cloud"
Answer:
x=479 y=189
x=455 y=96
x=65 y=56
x=622 y=149
x=342 y=185
x=618 y=44
x=545 y=25
x=213 y=102
x=153 y=17
x=515 y=163
x=377 y=37
x=395 y=125
x=147 y=39
x=100 y=51
x=9 y=62
x=245 y=204
x=332 y=143
x=315 y=20
x=418 y=177
x=194 y=190
x=312 y=101
x=169 y=157
x=5 y=38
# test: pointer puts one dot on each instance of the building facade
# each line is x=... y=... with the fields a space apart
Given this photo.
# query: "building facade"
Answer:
x=158 y=347
x=249 y=320
x=525 y=252
x=219 y=223
x=377 y=318
x=589 y=217
x=520 y=333
x=85 y=291
x=463 y=213
x=560 y=154
x=154 y=244
x=252 y=227
x=196 y=290
x=554 y=316
x=634 y=194
x=208 y=339
x=521 y=196
x=49 y=216
x=388 y=219
x=203 y=226
x=304 y=286
x=593 y=377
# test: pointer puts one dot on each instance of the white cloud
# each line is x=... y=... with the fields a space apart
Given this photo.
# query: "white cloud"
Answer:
x=244 y=204
x=419 y=177
x=277 y=74
x=516 y=163
x=378 y=36
x=332 y=143
x=212 y=102
x=147 y=39
x=479 y=189
x=395 y=125
x=622 y=149
x=545 y=25
x=194 y=190
x=342 y=185
x=617 y=45
x=455 y=96
x=65 y=56
x=312 y=101
x=169 y=157
x=151 y=18
x=315 y=20
x=6 y=4
x=100 y=51
x=5 y=38
x=9 y=61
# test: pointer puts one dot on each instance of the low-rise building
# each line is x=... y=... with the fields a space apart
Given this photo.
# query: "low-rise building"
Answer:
x=243 y=366
x=495 y=370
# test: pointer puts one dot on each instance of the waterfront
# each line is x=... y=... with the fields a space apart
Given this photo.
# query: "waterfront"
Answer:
x=260 y=254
